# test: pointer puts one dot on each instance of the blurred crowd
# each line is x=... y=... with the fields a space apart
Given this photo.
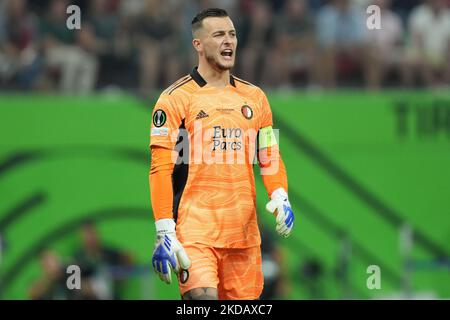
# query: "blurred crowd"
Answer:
x=145 y=45
x=105 y=270
x=101 y=270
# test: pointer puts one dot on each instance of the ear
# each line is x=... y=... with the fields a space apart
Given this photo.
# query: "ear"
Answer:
x=197 y=45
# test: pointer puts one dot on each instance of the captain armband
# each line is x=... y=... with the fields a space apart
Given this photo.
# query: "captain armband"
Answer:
x=266 y=138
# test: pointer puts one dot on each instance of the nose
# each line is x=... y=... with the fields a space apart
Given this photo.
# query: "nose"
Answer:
x=227 y=39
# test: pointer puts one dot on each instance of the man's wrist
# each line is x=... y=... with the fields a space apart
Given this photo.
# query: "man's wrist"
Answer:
x=279 y=193
x=164 y=226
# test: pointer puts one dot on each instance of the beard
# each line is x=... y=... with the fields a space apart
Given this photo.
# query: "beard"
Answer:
x=216 y=64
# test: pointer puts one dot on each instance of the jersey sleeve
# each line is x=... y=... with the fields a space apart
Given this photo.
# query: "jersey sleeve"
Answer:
x=273 y=171
x=167 y=118
x=160 y=179
x=266 y=112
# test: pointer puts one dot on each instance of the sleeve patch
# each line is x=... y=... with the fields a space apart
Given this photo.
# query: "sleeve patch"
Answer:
x=161 y=132
x=159 y=118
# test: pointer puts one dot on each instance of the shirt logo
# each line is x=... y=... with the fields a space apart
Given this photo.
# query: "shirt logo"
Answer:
x=227 y=138
x=201 y=114
x=247 y=112
x=225 y=110
x=159 y=118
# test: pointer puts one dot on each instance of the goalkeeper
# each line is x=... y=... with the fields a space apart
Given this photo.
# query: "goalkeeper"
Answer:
x=205 y=130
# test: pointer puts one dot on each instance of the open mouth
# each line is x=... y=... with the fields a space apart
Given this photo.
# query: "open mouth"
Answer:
x=227 y=54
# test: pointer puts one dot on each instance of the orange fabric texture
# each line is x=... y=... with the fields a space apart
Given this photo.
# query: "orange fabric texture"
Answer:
x=160 y=180
x=218 y=203
x=235 y=273
x=269 y=158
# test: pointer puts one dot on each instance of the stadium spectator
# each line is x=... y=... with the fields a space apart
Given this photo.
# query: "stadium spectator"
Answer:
x=112 y=44
x=273 y=266
x=404 y=8
x=293 y=49
x=315 y=5
x=52 y=283
x=157 y=38
x=68 y=53
x=341 y=41
x=386 y=53
x=131 y=8
x=429 y=46
x=311 y=277
x=97 y=263
x=19 y=58
x=255 y=37
x=140 y=44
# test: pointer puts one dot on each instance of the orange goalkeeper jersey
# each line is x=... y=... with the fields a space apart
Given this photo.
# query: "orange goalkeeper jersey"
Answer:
x=213 y=133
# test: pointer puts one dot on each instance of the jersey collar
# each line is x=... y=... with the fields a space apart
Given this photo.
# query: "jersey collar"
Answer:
x=202 y=82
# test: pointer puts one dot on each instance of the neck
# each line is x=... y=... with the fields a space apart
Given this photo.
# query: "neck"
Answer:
x=215 y=78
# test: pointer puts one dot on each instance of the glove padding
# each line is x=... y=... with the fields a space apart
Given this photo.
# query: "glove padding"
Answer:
x=169 y=253
x=285 y=216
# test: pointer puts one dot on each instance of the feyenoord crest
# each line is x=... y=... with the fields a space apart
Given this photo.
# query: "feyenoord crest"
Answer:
x=159 y=118
x=247 y=112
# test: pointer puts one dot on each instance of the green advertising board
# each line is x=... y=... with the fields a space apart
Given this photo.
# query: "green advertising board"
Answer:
x=364 y=170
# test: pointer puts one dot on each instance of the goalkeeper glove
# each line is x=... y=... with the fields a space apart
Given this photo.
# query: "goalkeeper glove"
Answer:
x=285 y=216
x=168 y=253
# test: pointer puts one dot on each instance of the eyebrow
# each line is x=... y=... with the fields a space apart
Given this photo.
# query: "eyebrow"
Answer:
x=223 y=31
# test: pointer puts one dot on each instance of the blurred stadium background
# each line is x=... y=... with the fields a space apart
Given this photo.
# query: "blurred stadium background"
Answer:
x=364 y=119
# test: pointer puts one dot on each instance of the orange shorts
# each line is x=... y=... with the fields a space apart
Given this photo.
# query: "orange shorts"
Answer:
x=235 y=273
